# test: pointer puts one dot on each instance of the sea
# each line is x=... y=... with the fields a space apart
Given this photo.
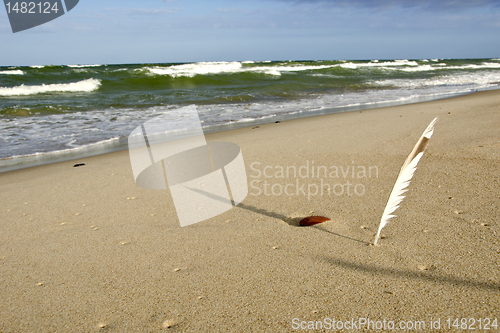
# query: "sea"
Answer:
x=63 y=112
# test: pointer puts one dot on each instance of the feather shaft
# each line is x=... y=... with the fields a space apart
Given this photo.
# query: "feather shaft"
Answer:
x=404 y=178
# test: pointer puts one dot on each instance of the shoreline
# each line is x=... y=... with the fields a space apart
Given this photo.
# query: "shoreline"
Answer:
x=113 y=145
x=86 y=249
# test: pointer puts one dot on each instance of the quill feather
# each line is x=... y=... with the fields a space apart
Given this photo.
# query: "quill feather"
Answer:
x=404 y=178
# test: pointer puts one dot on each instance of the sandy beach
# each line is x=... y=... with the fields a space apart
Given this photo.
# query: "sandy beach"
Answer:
x=86 y=250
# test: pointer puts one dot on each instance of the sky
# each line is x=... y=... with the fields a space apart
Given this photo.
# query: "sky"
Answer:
x=166 y=31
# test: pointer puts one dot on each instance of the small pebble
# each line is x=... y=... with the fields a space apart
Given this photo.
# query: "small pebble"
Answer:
x=314 y=311
x=24 y=214
x=96 y=228
x=84 y=205
x=275 y=247
x=63 y=223
x=176 y=269
x=364 y=227
x=39 y=284
x=102 y=325
x=77 y=214
x=123 y=243
x=168 y=323
x=425 y=230
x=201 y=297
x=8 y=210
x=485 y=224
x=456 y=211
x=152 y=214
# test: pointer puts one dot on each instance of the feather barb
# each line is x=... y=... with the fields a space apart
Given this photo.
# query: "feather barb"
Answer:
x=404 y=178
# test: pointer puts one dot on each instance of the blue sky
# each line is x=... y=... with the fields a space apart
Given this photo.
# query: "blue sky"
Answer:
x=152 y=31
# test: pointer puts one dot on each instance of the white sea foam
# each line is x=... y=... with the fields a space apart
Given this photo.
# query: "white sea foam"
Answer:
x=37 y=66
x=473 y=80
x=80 y=86
x=211 y=68
x=442 y=66
x=12 y=72
x=385 y=64
x=200 y=68
x=82 y=66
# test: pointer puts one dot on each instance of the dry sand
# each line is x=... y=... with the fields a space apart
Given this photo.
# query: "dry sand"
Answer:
x=86 y=250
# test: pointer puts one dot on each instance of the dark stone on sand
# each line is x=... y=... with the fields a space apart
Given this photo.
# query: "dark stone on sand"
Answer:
x=78 y=164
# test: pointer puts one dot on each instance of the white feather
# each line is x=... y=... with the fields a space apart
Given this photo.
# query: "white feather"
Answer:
x=404 y=178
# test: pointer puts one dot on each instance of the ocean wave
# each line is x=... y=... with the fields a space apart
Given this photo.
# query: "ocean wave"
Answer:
x=13 y=72
x=395 y=63
x=83 y=66
x=471 y=79
x=444 y=66
x=213 y=68
x=80 y=86
x=199 y=68
x=37 y=66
